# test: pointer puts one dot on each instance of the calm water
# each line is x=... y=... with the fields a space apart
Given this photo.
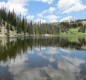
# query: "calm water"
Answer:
x=45 y=58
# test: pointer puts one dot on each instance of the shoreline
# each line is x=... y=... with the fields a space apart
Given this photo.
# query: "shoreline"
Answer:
x=59 y=35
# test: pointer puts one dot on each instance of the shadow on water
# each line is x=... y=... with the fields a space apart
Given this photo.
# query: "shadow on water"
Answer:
x=62 y=56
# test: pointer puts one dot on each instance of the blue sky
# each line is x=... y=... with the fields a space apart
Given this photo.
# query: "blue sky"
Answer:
x=47 y=10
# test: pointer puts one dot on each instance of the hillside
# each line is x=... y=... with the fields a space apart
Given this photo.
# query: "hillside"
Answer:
x=5 y=32
x=12 y=25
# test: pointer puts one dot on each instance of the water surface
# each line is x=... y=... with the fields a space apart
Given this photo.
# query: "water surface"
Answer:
x=43 y=58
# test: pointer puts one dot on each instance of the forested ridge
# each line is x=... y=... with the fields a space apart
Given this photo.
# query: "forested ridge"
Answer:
x=20 y=24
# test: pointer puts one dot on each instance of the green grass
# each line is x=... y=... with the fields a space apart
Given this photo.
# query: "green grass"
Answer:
x=73 y=31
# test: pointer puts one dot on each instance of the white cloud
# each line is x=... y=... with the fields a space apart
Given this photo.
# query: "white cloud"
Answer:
x=19 y=6
x=38 y=20
x=45 y=1
x=49 y=18
x=50 y=10
x=30 y=17
x=67 y=6
x=68 y=18
x=52 y=18
x=40 y=15
x=2 y=4
x=48 y=15
x=18 y=1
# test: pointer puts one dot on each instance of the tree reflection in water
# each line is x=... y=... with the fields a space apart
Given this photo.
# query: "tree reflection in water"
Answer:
x=14 y=47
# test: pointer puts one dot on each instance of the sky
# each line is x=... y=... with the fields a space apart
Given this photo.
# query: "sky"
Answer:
x=47 y=10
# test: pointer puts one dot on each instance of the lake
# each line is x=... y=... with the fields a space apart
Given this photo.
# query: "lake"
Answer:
x=43 y=58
